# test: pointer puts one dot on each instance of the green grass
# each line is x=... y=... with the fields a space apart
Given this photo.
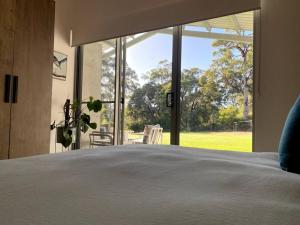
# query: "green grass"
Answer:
x=231 y=141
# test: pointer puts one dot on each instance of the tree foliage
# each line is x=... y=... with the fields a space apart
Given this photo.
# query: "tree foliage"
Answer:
x=108 y=87
x=212 y=99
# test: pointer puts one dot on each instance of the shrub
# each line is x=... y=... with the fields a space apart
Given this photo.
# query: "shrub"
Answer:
x=227 y=117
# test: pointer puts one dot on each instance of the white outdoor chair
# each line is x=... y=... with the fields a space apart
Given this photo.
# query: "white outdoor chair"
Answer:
x=153 y=136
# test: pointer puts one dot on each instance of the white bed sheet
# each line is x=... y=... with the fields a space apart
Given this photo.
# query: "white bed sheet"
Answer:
x=148 y=185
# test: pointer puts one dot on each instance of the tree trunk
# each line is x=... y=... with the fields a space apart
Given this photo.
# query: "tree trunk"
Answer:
x=246 y=90
x=246 y=101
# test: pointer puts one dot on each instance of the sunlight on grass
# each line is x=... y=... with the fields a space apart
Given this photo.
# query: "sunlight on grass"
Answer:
x=234 y=141
x=230 y=141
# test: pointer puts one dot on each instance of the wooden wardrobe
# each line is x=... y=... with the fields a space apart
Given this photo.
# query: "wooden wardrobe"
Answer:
x=26 y=56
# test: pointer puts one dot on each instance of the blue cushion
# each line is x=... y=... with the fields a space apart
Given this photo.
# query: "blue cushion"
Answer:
x=289 y=147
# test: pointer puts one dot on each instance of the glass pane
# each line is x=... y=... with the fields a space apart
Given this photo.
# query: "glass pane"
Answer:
x=217 y=83
x=98 y=81
x=147 y=81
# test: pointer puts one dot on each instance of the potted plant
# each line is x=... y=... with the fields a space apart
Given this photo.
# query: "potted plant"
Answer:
x=75 y=118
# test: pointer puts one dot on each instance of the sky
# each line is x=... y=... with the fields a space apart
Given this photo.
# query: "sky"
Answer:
x=144 y=56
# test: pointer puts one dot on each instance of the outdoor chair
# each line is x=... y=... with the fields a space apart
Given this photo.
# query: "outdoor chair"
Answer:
x=101 y=138
x=152 y=135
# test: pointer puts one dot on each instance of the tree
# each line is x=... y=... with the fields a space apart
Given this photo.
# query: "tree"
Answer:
x=109 y=76
x=108 y=83
x=234 y=67
x=210 y=99
x=227 y=116
x=147 y=103
x=199 y=99
x=189 y=97
x=211 y=94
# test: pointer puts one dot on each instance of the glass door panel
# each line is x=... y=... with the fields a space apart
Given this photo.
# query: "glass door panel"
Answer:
x=217 y=83
x=148 y=78
x=98 y=81
x=210 y=68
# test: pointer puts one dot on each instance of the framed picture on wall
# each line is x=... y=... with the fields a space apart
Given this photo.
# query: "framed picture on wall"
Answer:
x=60 y=61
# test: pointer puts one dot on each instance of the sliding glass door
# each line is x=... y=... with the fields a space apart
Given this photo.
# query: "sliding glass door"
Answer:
x=217 y=83
x=206 y=79
x=147 y=72
x=192 y=84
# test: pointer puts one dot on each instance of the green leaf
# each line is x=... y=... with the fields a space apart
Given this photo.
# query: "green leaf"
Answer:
x=93 y=125
x=90 y=106
x=85 y=118
x=97 y=106
x=84 y=127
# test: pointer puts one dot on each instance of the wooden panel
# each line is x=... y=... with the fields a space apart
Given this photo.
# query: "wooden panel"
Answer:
x=7 y=14
x=6 y=63
x=33 y=53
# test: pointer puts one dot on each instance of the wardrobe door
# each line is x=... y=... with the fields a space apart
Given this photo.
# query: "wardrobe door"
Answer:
x=6 y=65
x=33 y=57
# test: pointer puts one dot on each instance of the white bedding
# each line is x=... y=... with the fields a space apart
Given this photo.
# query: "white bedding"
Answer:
x=148 y=185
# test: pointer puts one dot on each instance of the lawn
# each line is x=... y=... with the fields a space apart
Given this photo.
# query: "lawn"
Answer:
x=231 y=141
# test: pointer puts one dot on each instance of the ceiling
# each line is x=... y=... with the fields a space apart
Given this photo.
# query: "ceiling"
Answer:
x=237 y=27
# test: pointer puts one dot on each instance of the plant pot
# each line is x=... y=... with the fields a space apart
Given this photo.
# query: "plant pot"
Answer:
x=60 y=136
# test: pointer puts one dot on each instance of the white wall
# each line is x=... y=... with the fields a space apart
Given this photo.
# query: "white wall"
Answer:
x=61 y=90
x=279 y=81
x=91 y=83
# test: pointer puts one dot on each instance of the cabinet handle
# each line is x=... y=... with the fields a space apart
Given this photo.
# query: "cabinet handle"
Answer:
x=7 y=88
x=15 y=89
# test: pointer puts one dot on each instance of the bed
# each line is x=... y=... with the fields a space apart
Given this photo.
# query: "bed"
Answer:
x=148 y=185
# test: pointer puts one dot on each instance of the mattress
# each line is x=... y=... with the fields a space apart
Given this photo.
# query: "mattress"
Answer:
x=148 y=185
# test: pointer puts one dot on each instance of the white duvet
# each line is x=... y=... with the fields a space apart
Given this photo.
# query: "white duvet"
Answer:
x=148 y=185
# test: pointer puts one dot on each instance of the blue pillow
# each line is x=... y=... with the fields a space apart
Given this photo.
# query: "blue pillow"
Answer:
x=289 y=147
